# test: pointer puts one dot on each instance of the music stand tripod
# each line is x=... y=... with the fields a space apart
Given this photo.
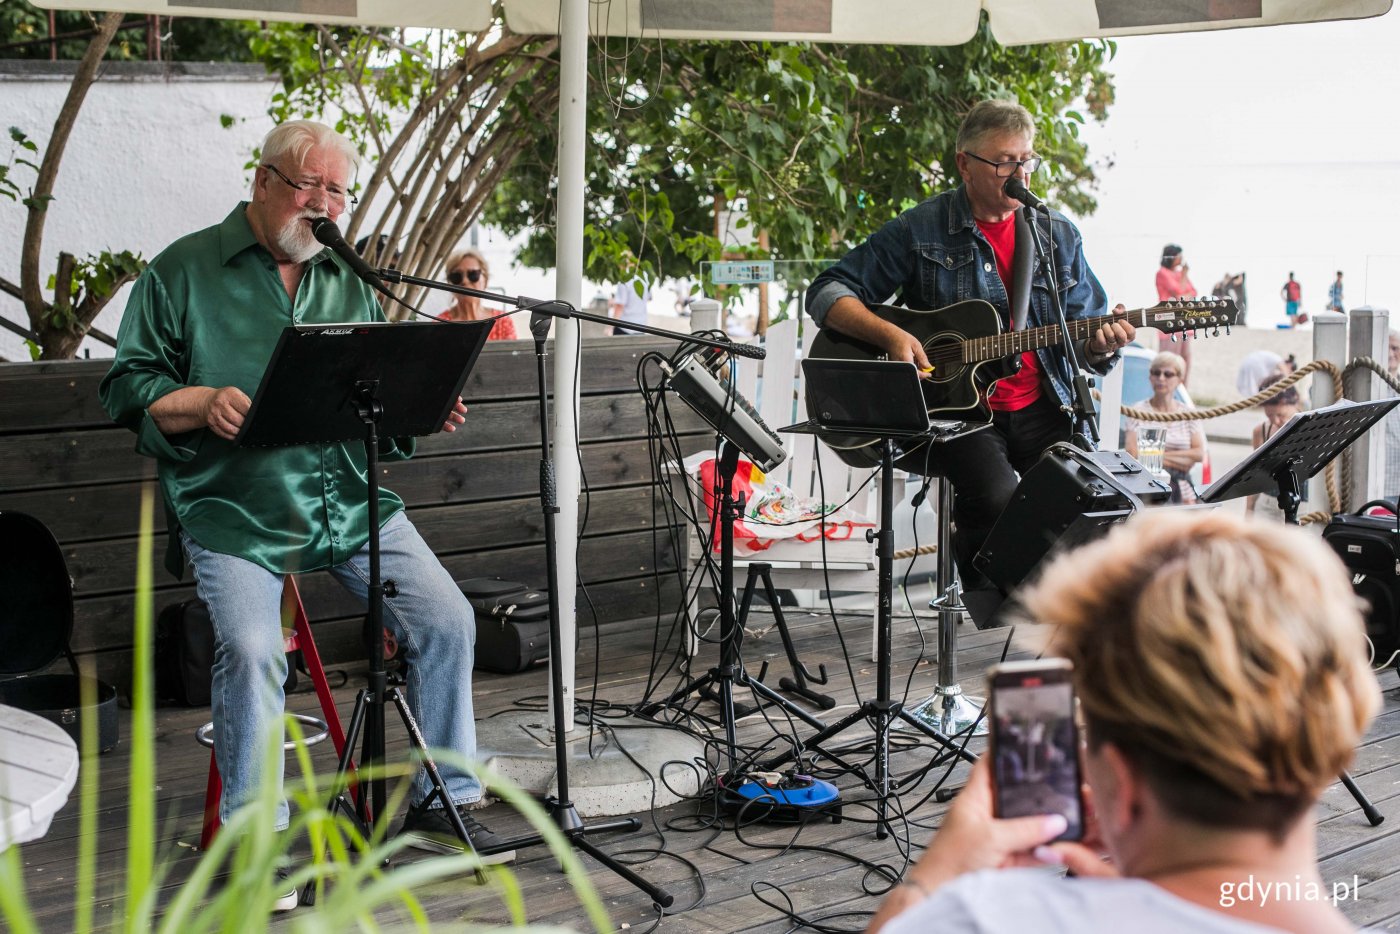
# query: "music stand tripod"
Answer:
x=883 y=710
x=718 y=683
x=1299 y=450
x=334 y=383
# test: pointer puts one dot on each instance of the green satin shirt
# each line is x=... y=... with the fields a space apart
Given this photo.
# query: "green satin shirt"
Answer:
x=208 y=312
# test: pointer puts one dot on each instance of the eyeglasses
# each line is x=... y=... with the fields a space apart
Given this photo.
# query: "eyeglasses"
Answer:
x=1008 y=169
x=333 y=195
x=1165 y=373
x=472 y=275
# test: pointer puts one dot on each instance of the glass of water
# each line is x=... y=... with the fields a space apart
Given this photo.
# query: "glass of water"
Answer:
x=1151 y=443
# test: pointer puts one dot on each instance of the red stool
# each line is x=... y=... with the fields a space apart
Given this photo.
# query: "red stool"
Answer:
x=298 y=636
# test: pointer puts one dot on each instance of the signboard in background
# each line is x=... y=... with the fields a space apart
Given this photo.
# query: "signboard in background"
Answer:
x=741 y=272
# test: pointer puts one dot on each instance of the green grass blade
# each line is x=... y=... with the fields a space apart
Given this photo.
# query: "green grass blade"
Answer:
x=141 y=831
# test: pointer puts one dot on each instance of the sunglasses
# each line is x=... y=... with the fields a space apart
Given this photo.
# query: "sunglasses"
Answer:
x=1167 y=373
x=455 y=276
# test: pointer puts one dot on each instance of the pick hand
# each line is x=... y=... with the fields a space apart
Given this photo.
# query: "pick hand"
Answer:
x=905 y=346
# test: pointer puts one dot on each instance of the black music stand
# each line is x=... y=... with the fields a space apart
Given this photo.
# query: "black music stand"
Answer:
x=1299 y=450
x=904 y=407
x=1308 y=443
x=331 y=383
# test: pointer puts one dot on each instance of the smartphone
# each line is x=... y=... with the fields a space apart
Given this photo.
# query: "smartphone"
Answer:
x=1035 y=743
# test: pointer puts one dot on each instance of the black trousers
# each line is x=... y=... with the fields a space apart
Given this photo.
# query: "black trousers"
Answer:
x=985 y=467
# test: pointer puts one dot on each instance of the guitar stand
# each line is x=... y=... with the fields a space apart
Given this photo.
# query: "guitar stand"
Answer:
x=718 y=683
x=797 y=684
x=883 y=712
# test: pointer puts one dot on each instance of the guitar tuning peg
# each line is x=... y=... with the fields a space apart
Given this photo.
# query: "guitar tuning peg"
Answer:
x=1216 y=332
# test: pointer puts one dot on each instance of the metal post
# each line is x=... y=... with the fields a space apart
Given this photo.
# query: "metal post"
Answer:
x=1329 y=343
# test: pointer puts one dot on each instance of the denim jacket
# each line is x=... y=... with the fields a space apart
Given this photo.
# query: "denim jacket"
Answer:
x=934 y=255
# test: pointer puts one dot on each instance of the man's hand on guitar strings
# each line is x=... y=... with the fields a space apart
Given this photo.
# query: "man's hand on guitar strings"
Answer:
x=905 y=346
x=1110 y=337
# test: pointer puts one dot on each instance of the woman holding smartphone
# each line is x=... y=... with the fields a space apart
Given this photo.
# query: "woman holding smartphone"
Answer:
x=1221 y=671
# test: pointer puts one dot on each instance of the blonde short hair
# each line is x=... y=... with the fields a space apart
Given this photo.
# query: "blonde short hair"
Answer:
x=456 y=259
x=1226 y=658
x=1176 y=360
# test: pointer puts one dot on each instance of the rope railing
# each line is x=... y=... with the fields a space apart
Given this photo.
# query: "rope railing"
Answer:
x=1335 y=496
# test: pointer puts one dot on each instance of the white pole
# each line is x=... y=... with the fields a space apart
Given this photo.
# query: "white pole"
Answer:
x=568 y=262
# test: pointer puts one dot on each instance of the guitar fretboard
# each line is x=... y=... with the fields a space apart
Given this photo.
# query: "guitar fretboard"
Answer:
x=1179 y=317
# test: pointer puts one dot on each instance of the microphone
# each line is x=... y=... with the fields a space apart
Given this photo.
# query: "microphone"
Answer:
x=1015 y=189
x=326 y=232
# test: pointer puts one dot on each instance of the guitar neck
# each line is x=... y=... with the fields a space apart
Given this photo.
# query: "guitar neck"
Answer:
x=1005 y=344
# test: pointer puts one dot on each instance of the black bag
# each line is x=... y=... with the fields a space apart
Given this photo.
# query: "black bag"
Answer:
x=512 y=624
x=185 y=655
x=1370 y=547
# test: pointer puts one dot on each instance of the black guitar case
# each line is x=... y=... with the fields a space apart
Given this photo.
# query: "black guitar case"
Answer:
x=512 y=624
x=1370 y=548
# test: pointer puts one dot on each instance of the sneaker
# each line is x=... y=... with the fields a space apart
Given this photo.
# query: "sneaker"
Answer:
x=289 y=897
x=430 y=829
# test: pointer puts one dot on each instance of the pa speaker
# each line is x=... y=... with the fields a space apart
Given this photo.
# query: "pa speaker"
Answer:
x=1370 y=548
x=1067 y=498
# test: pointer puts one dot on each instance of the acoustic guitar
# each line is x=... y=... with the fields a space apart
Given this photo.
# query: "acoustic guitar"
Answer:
x=970 y=353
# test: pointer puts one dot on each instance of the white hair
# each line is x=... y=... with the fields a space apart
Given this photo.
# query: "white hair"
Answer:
x=298 y=137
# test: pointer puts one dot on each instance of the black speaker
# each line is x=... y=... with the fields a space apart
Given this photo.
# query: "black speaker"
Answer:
x=1067 y=498
x=1370 y=548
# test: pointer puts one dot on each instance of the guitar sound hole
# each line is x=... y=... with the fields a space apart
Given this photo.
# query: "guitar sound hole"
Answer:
x=944 y=351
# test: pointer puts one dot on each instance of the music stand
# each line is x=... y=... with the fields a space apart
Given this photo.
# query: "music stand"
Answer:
x=1309 y=442
x=332 y=383
x=1298 y=451
x=900 y=414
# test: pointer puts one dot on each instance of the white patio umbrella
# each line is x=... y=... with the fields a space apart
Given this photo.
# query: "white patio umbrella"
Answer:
x=900 y=22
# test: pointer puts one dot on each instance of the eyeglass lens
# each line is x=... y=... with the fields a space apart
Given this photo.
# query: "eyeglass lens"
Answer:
x=1167 y=373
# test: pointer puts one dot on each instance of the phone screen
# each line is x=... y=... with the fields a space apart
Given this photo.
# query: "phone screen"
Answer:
x=1035 y=743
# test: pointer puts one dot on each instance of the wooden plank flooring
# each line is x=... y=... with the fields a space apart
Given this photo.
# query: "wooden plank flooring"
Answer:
x=818 y=868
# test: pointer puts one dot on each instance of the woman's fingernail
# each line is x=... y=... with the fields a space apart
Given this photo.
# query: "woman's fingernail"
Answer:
x=1055 y=824
x=1048 y=855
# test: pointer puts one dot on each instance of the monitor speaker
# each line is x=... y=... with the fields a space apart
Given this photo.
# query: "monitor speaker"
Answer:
x=1067 y=498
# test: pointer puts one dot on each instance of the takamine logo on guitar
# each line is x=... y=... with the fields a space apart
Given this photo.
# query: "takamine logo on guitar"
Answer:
x=969 y=351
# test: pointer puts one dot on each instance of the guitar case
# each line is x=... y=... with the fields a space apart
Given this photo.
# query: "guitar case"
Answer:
x=36 y=626
x=1370 y=548
x=512 y=624
x=1067 y=498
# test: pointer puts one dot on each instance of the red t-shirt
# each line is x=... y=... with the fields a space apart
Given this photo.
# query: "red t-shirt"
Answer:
x=1023 y=387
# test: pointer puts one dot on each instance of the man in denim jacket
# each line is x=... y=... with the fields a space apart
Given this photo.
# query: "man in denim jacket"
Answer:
x=962 y=245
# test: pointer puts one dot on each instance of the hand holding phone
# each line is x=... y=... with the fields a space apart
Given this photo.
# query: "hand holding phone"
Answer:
x=1035 y=743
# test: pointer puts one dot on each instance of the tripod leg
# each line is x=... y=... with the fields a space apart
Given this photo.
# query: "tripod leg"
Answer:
x=655 y=893
x=945 y=741
x=1367 y=808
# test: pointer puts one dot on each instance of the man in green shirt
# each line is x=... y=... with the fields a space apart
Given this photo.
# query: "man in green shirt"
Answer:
x=198 y=331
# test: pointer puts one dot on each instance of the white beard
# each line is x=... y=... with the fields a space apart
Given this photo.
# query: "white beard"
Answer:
x=296 y=240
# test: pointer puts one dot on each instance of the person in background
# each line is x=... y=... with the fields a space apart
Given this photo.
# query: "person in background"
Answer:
x=1186 y=441
x=1221 y=669
x=629 y=304
x=469 y=268
x=1292 y=294
x=1173 y=282
x=1257 y=366
x=1334 y=295
x=1277 y=412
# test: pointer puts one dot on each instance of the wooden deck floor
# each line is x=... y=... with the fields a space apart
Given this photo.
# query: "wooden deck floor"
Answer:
x=818 y=872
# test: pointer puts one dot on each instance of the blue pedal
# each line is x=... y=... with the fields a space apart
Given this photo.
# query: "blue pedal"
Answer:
x=791 y=800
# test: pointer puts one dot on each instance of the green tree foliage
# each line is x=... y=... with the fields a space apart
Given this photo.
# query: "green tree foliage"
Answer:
x=186 y=39
x=820 y=144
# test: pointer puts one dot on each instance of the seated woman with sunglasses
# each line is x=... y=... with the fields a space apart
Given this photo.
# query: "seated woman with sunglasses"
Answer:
x=1186 y=441
x=469 y=268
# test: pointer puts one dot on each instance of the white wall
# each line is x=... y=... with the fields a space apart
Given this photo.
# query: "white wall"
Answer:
x=147 y=162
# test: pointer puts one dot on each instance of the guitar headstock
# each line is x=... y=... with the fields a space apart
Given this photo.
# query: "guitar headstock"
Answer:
x=1185 y=314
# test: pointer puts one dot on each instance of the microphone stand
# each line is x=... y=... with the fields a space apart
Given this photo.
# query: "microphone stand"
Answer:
x=560 y=807
x=1086 y=423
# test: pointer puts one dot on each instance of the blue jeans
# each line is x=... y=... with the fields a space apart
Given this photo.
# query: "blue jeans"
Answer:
x=429 y=616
